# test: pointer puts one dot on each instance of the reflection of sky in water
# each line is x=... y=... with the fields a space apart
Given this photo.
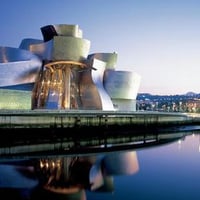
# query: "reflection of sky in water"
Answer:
x=167 y=172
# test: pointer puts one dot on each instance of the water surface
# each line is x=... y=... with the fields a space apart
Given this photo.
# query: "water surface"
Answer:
x=169 y=169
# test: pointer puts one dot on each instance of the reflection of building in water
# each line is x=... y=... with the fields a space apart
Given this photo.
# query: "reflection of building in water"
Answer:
x=128 y=163
x=59 y=73
x=67 y=177
x=89 y=173
x=113 y=164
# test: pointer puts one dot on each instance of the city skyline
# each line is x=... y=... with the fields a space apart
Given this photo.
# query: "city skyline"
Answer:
x=157 y=39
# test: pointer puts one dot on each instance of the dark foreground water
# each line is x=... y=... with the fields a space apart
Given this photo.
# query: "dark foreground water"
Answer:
x=166 y=170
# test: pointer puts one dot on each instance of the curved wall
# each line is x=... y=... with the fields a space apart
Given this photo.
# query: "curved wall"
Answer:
x=70 y=48
x=121 y=84
x=18 y=66
x=109 y=58
x=42 y=49
x=97 y=76
x=122 y=87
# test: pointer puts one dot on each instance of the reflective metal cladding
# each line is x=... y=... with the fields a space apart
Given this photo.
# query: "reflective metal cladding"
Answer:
x=64 y=75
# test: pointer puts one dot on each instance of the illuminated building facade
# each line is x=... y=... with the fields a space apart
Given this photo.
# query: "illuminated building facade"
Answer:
x=59 y=73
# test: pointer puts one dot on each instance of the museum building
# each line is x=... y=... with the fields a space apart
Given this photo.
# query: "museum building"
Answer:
x=59 y=72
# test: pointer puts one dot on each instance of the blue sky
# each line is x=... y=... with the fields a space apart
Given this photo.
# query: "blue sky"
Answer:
x=158 y=39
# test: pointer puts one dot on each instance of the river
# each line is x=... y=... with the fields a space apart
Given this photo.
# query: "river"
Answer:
x=147 y=166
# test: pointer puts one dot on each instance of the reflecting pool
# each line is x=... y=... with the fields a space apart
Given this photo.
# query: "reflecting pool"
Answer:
x=158 y=166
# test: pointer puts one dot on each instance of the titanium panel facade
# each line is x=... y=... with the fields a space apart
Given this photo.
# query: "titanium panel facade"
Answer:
x=109 y=58
x=70 y=48
x=121 y=84
x=97 y=76
x=122 y=87
x=18 y=66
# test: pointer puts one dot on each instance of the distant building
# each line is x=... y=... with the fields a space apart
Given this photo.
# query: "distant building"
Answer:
x=59 y=73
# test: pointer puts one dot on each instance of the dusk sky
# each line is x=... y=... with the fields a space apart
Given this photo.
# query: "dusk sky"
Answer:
x=158 y=39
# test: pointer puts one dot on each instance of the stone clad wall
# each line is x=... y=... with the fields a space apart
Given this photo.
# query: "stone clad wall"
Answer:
x=49 y=119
